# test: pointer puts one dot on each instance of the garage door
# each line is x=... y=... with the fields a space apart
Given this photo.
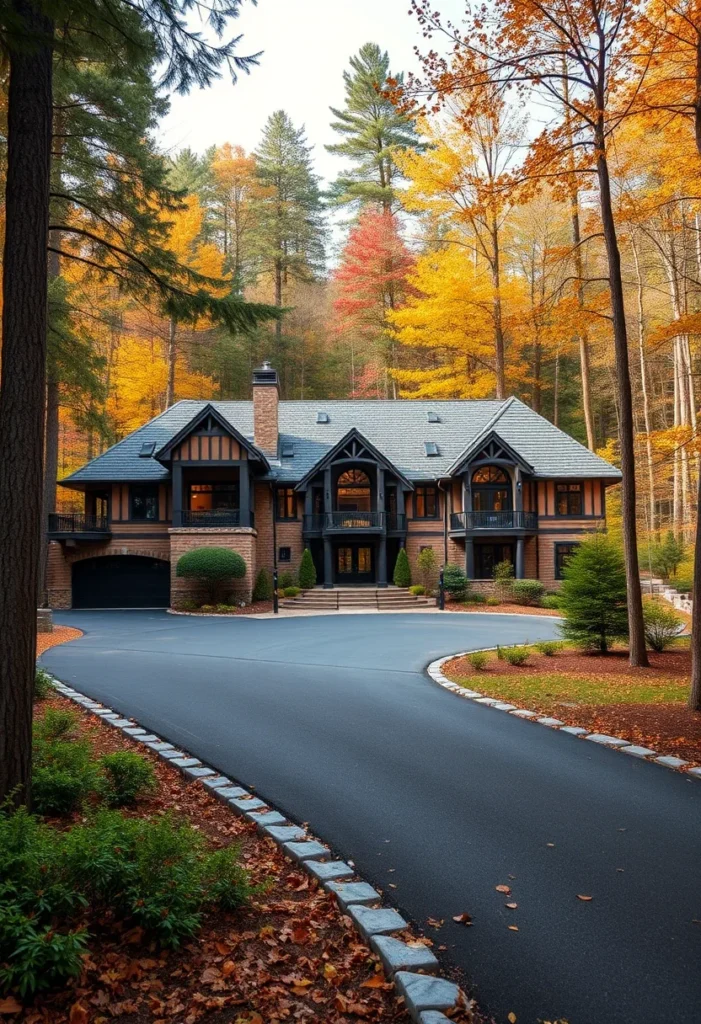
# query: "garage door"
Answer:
x=121 y=581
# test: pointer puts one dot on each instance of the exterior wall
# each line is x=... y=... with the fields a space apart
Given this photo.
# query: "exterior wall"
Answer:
x=242 y=540
x=62 y=558
x=546 y=548
x=212 y=447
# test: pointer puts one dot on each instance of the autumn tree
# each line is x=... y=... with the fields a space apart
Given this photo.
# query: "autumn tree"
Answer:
x=372 y=130
x=236 y=190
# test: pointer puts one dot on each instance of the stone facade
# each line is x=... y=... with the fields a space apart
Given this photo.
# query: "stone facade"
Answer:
x=242 y=541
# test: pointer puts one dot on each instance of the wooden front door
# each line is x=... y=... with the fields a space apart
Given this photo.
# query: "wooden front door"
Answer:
x=355 y=564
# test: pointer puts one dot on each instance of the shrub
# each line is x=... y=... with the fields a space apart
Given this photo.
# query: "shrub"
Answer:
x=307 y=571
x=208 y=608
x=402 y=570
x=263 y=588
x=427 y=568
x=43 y=687
x=527 y=592
x=186 y=604
x=471 y=598
x=515 y=655
x=455 y=581
x=292 y=591
x=667 y=556
x=478 y=660
x=127 y=776
x=492 y=601
x=593 y=596
x=211 y=567
x=549 y=648
x=662 y=624
x=417 y=590
x=224 y=609
x=57 y=724
x=286 y=579
x=503 y=576
x=551 y=601
x=63 y=771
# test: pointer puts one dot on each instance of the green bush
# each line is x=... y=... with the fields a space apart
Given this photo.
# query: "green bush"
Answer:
x=549 y=648
x=211 y=568
x=527 y=592
x=292 y=591
x=402 y=570
x=56 y=724
x=492 y=601
x=515 y=655
x=43 y=687
x=126 y=777
x=551 y=601
x=286 y=579
x=662 y=624
x=667 y=557
x=474 y=598
x=186 y=604
x=478 y=660
x=63 y=774
x=263 y=589
x=455 y=581
x=307 y=571
x=417 y=589
x=226 y=609
x=427 y=568
x=593 y=596
x=208 y=608
x=503 y=576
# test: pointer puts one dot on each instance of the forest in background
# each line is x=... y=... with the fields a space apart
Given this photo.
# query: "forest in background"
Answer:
x=457 y=273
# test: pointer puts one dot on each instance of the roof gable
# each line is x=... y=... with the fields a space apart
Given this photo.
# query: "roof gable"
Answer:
x=490 y=447
x=207 y=417
x=354 y=447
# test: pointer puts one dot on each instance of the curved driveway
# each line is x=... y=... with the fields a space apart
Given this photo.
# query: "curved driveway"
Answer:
x=333 y=720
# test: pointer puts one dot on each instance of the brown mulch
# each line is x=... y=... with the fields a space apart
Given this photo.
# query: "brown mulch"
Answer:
x=288 y=956
x=666 y=728
x=504 y=609
x=577 y=663
x=60 y=635
x=257 y=608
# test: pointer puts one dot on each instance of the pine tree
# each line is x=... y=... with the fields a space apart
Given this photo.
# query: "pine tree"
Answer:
x=307 y=571
x=593 y=595
x=402 y=570
x=373 y=130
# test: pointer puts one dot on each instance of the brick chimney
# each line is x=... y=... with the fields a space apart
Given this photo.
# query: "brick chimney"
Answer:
x=266 y=395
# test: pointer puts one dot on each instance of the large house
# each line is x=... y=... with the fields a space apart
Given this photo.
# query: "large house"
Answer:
x=354 y=481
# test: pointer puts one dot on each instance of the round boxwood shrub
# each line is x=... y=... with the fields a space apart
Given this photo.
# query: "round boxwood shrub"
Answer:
x=307 y=571
x=211 y=567
x=402 y=571
x=527 y=591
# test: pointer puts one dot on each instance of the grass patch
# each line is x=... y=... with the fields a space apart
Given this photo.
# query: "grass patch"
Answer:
x=583 y=689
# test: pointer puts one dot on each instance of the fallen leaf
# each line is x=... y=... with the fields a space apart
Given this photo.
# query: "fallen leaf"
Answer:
x=228 y=968
x=511 y=906
x=377 y=981
x=78 y=1014
x=550 y=844
x=585 y=899
x=10 y=1005
x=330 y=972
x=503 y=888
x=513 y=928
x=511 y=1018
x=434 y=923
x=463 y=918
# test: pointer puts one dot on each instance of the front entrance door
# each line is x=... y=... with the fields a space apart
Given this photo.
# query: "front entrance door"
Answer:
x=489 y=555
x=354 y=564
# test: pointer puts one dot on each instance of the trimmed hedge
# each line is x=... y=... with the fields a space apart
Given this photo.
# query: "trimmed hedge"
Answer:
x=211 y=567
x=307 y=571
x=402 y=570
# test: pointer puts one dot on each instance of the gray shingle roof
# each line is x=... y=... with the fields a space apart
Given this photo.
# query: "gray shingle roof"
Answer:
x=399 y=429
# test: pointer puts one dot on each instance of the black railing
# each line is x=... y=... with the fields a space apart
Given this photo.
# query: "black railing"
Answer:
x=355 y=520
x=494 y=521
x=211 y=517
x=77 y=523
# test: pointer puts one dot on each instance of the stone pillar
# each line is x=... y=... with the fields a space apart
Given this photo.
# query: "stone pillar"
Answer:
x=177 y=473
x=520 y=559
x=469 y=558
x=382 y=562
x=328 y=564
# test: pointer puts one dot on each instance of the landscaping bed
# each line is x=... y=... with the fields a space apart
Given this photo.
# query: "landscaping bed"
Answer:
x=285 y=954
x=59 y=635
x=507 y=608
x=256 y=608
x=600 y=692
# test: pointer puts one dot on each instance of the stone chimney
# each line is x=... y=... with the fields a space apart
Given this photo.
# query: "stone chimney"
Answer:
x=266 y=395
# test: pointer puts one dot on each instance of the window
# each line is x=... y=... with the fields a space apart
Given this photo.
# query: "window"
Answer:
x=287 y=450
x=490 y=475
x=322 y=417
x=491 y=490
x=284 y=555
x=433 y=417
x=147 y=449
x=353 y=491
x=209 y=497
x=568 y=499
x=563 y=552
x=144 y=502
x=286 y=507
x=431 y=448
x=425 y=503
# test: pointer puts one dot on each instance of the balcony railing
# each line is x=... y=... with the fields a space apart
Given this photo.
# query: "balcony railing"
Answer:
x=77 y=523
x=211 y=517
x=322 y=522
x=494 y=521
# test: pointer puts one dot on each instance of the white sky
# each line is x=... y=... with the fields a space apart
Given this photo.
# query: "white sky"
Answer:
x=306 y=45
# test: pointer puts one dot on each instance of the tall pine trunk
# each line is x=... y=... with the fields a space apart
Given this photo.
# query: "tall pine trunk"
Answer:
x=638 y=653
x=171 y=360
x=695 y=690
x=24 y=325
x=645 y=393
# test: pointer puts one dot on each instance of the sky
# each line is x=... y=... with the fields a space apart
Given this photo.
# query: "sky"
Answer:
x=306 y=46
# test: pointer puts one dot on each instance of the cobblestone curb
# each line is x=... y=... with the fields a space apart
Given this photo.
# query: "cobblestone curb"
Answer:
x=408 y=964
x=435 y=671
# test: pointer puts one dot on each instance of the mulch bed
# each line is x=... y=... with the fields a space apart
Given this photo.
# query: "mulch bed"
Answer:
x=668 y=727
x=257 y=608
x=504 y=609
x=60 y=635
x=288 y=956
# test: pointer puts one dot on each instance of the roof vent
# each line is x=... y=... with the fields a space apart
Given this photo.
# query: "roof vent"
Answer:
x=322 y=417
x=433 y=417
x=431 y=448
x=287 y=450
x=265 y=374
x=147 y=449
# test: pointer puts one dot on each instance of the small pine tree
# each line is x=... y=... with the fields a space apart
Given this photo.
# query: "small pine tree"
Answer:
x=263 y=590
x=669 y=555
x=427 y=568
x=455 y=581
x=307 y=571
x=402 y=570
x=593 y=598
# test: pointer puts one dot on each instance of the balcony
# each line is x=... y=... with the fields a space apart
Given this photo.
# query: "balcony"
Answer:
x=354 y=522
x=211 y=517
x=462 y=522
x=77 y=526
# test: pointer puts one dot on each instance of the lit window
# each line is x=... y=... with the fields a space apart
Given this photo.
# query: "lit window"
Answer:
x=568 y=499
x=286 y=503
x=563 y=553
x=425 y=503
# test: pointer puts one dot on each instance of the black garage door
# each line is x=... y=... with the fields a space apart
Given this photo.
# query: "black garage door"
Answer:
x=121 y=581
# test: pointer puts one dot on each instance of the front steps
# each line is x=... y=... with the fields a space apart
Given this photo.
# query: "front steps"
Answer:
x=352 y=598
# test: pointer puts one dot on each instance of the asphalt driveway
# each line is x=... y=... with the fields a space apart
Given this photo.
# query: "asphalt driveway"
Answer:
x=333 y=720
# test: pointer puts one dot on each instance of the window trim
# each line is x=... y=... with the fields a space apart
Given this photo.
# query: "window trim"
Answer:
x=288 y=559
x=143 y=519
x=283 y=493
x=568 y=484
x=425 y=487
x=557 y=571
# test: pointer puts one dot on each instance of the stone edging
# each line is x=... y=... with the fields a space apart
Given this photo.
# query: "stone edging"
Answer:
x=413 y=968
x=435 y=671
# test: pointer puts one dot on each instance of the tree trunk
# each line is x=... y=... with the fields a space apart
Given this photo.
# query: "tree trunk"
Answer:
x=638 y=654
x=695 y=690
x=50 y=474
x=24 y=327
x=644 y=389
x=172 y=360
x=278 y=303
x=498 y=325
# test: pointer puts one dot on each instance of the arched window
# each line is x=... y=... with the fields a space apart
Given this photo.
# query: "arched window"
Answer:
x=491 y=490
x=353 y=491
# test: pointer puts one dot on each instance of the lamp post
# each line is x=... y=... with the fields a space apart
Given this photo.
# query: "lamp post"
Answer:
x=275 y=598
x=441 y=592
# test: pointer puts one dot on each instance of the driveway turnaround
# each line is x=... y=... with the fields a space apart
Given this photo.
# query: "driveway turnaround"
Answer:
x=437 y=800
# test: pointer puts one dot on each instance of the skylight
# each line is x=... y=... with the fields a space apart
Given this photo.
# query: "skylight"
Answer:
x=147 y=449
x=322 y=417
x=287 y=450
x=431 y=448
x=433 y=417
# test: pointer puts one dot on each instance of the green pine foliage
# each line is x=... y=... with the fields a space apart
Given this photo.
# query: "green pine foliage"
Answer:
x=402 y=570
x=455 y=581
x=263 y=589
x=211 y=567
x=668 y=556
x=593 y=597
x=307 y=571
x=372 y=129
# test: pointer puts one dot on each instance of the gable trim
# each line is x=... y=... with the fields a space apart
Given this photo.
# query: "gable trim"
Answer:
x=166 y=451
x=484 y=441
x=349 y=440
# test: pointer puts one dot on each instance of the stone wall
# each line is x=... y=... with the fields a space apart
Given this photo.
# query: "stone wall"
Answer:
x=239 y=539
